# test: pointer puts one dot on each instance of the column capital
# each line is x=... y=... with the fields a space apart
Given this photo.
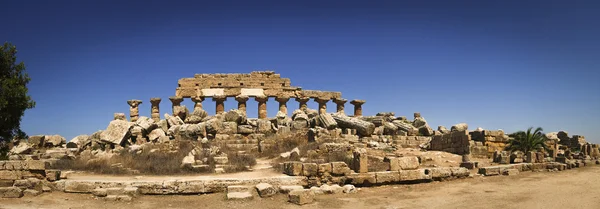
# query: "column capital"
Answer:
x=134 y=102
x=261 y=98
x=219 y=98
x=302 y=99
x=155 y=100
x=282 y=98
x=357 y=102
x=340 y=101
x=176 y=100
x=241 y=98
x=322 y=100
x=198 y=99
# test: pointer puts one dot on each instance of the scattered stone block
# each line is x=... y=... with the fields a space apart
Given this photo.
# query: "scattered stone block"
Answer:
x=349 y=189
x=239 y=196
x=265 y=190
x=10 y=192
x=333 y=189
x=468 y=165
x=510 y=172
x=317 y=190
x=414 y=175
x=361 y=178
x=325 y=169
x=360 y=160
x=301 y=197
x=387 y=177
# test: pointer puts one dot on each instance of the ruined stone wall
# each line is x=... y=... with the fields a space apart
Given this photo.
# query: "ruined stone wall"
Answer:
x=490 y=140
x=257 y=83
x=456 y=142
x=410 y=141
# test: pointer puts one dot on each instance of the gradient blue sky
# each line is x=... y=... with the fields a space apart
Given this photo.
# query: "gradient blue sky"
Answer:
x=493 y=64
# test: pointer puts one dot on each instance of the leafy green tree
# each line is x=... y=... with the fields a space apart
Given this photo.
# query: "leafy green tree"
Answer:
x=14 y=98
x=526 y=141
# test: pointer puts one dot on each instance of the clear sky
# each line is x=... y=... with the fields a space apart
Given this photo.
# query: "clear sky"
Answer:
x=493 y=64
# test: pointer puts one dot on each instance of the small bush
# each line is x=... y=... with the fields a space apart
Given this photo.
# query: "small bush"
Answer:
x=240 y=162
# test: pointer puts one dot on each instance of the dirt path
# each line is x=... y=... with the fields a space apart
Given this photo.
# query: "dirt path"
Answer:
x=568 y=189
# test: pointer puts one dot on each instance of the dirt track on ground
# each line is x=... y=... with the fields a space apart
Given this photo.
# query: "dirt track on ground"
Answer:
x=568 y=189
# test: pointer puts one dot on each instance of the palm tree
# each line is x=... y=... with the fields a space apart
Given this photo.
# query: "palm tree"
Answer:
x=528 y=141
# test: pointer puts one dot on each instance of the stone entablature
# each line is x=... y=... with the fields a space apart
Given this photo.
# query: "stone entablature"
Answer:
x=257 y=83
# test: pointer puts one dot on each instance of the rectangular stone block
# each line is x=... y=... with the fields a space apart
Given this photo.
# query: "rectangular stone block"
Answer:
x=79 y=187
x=340 y=168
x=10 y=175
x=414 y=175
x=292 y=168
x=324 y=169
x=387 y=177
x=361 y=178
x=52 y=175
x=310 y=169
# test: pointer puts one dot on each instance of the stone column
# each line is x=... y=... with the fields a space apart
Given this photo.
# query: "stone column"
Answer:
x=340 y=105
x=242 y=99
x=282 y=103
x=302 y=102
x=220 y=108
x=357 y=107
x=322 y=104
x=176 y=101
x=197 y=102
x=155 y=111
x=262 y=106
x=134 y=111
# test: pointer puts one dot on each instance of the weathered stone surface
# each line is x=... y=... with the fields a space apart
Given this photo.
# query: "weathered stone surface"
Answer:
x=36 y=141
x=22 y=148
x=404 y=163
x=266 y=190
x=510 y=172
x=147 y=124
x=79 y=142
x=292 y=168
x=100 y=192
x=228 y=128
x=79 y=186
x=197 y=115
x=333 y=189
x=414 y=175
x=173 y=120
x=426 y=131
x=363 y=128
x=387 y=177
x=116 y=131
x=10 y=192
x=31 y=192
x=52 y=175
x=264 y=126
x=361 y=178
x=406 y=127
x=324 y=169
x=301 y=197
x=239 y=196
x=54 y=141
x=349 y=188
x=245 y=129
x=460 y=127
x=310 y=169
x=360 y=160
x=340 y=168
x=443 y=129
x=326 y=121
x=155 y=134
x=236 y=116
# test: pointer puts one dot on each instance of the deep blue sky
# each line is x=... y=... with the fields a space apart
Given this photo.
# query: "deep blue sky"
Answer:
x=493 y=64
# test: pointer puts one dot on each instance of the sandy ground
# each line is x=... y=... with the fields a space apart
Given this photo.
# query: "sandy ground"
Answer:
x=568 y=189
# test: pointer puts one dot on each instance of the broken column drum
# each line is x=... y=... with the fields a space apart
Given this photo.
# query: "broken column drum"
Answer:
x=134 y=111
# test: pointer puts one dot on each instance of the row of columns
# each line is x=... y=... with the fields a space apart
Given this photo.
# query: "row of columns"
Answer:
x=242 y=99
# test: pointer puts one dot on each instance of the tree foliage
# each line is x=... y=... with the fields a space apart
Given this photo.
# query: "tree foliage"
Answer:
x=14 y=98
x=526 y=141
